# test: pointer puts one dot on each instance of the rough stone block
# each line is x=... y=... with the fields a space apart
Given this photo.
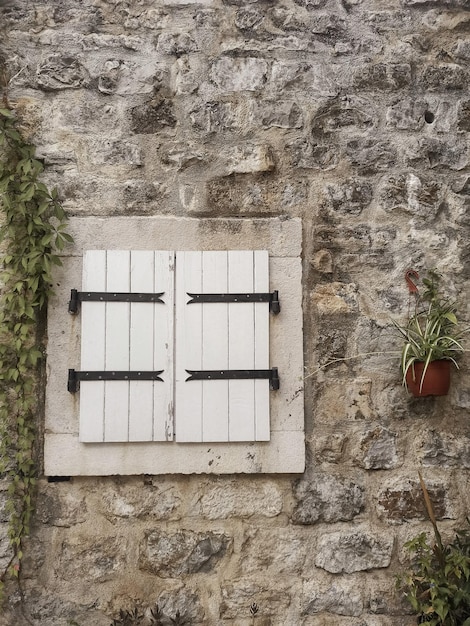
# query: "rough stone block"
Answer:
x=215 y=117
x=153 y=116
x=222 y=499
x=182 y=601
x=419 y=195
x=279 y=551
x=335 y=299
x=143 y=197
x=462 y=49
x=311 y=4
x=347 y=112
x=4 y=516
x=114 y=152
x=401 y=500
x=125 y=78
x=407 y=114
x=452 y=152
x=248 y=19
x=252 y=195
x=437 y=3
x=445 y=449
x=247 y=159
x=279 y=114
x=239 y=595
x=60 y=505
x=383 y=76
x=330 y=448
x=170 y=555
x=326 y=498
x=137 y=501
x=370 y=156
x=287 y=19
x=353 y=238
x=176 y=44
x=308 y=155
x=239 y=74
x=187 y=76
x=444 y=77
x=331 y=344
x=339 y=599
x=463 y=118
x=349 y=197
x=322 y=261
x=378 y=449
x=6 y=552
x=102 y=558
x=61 y=72
x=353 y=551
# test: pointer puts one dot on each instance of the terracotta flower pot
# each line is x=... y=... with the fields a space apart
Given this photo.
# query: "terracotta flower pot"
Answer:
x=436 y=381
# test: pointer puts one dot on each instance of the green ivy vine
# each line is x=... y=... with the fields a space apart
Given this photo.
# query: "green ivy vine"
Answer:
x=32 y=231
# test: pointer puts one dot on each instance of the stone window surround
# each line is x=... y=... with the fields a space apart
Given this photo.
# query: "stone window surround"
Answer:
x=64 y=455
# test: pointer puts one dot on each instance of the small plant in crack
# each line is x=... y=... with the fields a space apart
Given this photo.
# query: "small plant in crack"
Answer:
x=156 y=617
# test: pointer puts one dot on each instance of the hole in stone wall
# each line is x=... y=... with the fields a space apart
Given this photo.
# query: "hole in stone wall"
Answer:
x=429 y=117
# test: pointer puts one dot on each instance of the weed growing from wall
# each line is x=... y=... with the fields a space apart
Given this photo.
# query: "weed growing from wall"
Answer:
x=32 y=231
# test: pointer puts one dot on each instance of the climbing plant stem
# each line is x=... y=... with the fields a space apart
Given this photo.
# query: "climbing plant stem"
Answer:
x=32 y=232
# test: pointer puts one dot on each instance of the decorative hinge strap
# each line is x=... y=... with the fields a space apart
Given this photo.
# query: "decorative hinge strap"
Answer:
x=272 y=298
x=110 y=296
x=272 y=375
x=75 y=377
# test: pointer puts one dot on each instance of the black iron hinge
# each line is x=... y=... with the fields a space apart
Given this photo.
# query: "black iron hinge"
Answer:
x=272 y=375
x=272 y=298
x=110 y=296
x=75 y=377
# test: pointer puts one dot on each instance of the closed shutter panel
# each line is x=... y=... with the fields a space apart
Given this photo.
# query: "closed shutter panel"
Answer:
x=125 y=336
x=221 y=336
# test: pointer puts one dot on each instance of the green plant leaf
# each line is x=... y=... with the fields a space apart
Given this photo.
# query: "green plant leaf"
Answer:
x=31 y=222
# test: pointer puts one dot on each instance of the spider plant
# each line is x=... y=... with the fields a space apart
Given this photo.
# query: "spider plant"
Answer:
x=432 y=332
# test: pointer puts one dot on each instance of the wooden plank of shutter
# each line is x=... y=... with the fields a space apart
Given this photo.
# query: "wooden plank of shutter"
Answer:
x=188 y=347
x=163 y=413
x=241 y=331
x=215 y=347
x=93 y=324
x=151 y=347
x=141 y=346
x=116 y=404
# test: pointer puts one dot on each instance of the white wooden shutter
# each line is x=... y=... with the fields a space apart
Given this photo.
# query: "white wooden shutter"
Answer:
x=212 y=336
x=127 y=336
x=201 y=336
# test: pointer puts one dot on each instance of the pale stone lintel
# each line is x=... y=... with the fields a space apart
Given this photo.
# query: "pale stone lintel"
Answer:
x=66 y=456
x=281 y=237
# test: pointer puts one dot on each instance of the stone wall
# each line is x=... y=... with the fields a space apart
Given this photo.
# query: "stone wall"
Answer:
x=350 y=114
